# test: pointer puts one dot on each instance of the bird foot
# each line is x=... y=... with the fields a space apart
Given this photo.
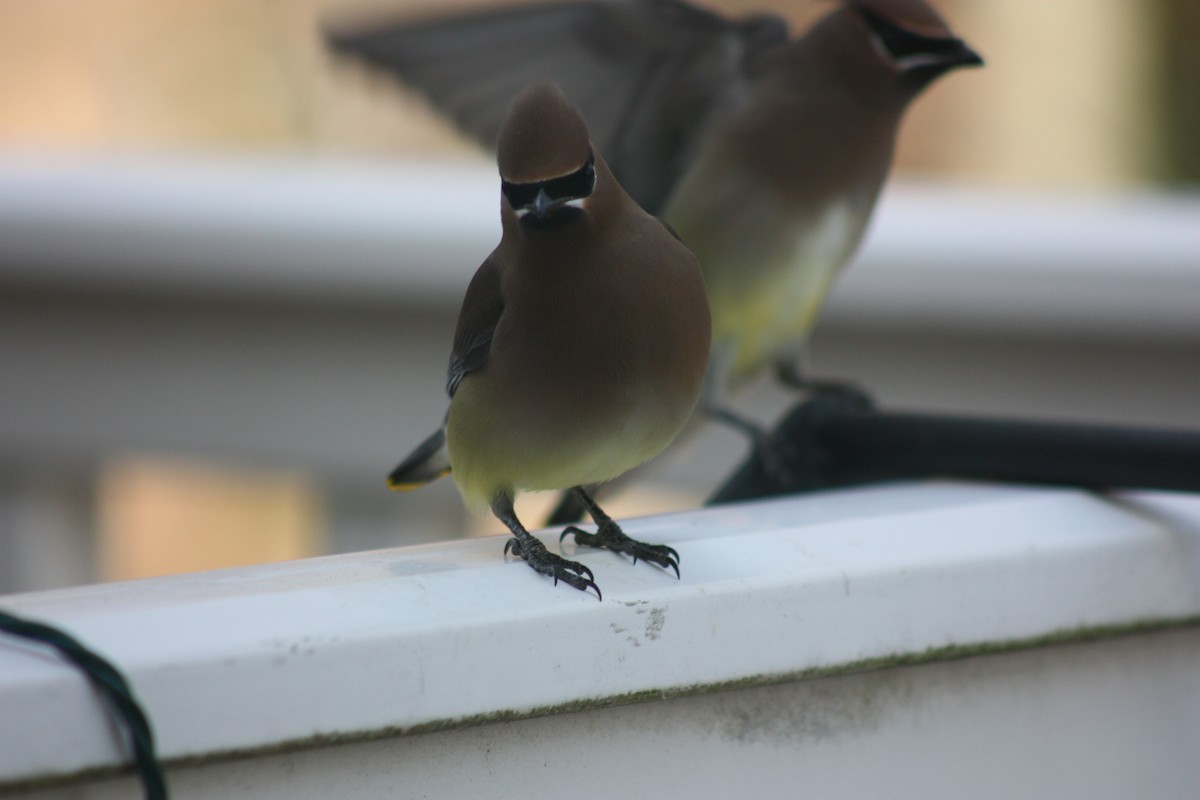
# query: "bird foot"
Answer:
x=542 y=560
x=610 y=536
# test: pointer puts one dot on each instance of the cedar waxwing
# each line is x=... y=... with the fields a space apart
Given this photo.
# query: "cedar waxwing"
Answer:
x=582 y=343
x=766 y=154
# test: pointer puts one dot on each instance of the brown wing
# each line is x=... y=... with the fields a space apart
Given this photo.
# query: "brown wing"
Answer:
x=645 y=73
x=481 y=310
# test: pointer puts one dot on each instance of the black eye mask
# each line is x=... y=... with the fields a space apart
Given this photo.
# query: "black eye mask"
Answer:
x=903 y=44
x=577 y=185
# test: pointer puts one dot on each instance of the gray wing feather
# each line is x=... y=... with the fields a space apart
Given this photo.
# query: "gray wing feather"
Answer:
x=481 y=309
x=646 y=74
x=427 y=463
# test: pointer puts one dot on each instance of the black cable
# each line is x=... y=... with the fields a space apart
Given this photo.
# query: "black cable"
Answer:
x=839 y=438
x=112 y=686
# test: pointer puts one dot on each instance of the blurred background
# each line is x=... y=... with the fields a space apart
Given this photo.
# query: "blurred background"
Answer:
x=227 y=297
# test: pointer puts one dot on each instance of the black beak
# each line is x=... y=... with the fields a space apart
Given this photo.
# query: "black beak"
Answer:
x=955 y=53
x=542 y=205
x=918 y=53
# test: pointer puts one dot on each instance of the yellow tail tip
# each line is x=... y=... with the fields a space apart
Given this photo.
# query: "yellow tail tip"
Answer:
x=408 y=486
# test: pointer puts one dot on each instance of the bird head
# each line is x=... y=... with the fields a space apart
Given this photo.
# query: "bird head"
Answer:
x=547 y=167
x=913 y=39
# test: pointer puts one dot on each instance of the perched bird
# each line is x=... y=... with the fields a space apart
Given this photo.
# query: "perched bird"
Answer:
x=765 y=153
x=581 y=346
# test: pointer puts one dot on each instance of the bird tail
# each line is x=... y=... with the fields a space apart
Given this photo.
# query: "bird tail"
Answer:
x=426 y=464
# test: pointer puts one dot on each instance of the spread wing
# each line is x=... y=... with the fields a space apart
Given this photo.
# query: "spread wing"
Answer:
x=644 y=73
x=481 y=310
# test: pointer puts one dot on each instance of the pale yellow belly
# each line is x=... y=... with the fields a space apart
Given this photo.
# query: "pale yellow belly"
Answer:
x=492 y=450
x=753 y=328
x=767 y=279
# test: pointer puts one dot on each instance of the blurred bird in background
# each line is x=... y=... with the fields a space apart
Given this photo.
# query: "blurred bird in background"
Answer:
x=582 y=343
x=765 y=153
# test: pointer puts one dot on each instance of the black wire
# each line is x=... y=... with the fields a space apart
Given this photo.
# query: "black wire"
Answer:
x=839 y=438
x=112 y=686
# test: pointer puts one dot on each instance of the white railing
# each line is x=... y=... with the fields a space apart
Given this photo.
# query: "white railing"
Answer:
x=937 y=254
x=925 y=640
x=886 y=641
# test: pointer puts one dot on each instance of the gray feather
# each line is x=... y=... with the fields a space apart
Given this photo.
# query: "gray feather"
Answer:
x=645 y=74
x=427 y=463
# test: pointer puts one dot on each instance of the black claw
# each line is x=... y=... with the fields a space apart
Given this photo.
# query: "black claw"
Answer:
x=610 y=537
x=579 y=533
x=572 y=573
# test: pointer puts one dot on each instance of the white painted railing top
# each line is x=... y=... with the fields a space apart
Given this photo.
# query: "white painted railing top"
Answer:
x=385 y=642
x=961 y=256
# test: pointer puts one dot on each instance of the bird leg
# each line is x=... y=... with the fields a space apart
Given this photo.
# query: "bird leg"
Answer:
x=525 y=546
x=610 y=536
x=567 y=511
x=712 y=405
x=760 y=442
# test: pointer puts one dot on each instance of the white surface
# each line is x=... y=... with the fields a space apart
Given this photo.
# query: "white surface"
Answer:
x=1109 y=720
x=941 y=255
x=374 y=642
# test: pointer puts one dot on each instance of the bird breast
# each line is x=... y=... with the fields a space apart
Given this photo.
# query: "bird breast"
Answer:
x=593 y=369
